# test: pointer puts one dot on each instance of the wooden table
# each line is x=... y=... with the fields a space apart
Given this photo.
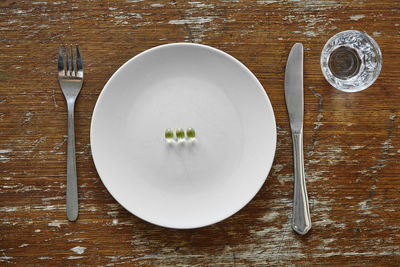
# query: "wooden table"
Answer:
x=351 y=141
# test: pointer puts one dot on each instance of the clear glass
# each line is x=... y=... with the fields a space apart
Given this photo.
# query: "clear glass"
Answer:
x=351 y=61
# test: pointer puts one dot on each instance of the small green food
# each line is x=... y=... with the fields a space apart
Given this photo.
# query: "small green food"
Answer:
x=180 y=134
x=190 y=132
x=169 y=134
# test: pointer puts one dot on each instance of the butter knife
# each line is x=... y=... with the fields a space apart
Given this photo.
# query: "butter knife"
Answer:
x=295 y=106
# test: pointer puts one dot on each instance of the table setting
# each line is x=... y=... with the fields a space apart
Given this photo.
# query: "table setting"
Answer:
x=204 y=133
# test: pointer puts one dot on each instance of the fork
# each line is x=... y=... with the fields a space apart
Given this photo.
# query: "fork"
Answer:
x=71 y=81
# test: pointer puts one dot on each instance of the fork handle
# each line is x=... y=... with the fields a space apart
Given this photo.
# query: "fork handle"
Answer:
x=301 y=213
x=72 y=187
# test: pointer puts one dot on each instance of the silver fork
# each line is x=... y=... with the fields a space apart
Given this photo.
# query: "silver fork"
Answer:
x=71 y=81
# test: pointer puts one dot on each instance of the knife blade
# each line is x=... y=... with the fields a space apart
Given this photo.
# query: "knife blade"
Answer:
x=294 y=96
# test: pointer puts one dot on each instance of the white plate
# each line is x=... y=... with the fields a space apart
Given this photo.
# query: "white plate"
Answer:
x=185 y=185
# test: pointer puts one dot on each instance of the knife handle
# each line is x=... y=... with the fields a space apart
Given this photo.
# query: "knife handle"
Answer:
x=301 y=213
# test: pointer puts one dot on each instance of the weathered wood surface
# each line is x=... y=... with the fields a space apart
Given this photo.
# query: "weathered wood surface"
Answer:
x=352 y=141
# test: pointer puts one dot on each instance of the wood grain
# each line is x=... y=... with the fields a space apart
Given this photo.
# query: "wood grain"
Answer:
x=352 y=141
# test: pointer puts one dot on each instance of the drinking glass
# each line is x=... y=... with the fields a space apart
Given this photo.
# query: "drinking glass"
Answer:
x=351 y=61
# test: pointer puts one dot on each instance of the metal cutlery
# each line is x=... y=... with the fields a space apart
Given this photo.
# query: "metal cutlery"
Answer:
x=71 y=80
x=295 y=106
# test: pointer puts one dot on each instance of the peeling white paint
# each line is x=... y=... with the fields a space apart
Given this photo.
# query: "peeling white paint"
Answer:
x=197 y=4
x=56 y=223
x=357 y=17
x=125 y=223
x=113 y=213
x=113 y=206
x=356 y=147
x=49 y=207
x=28 y=116
x=5 y=258
x=156 y=5
x=267 y=231
x=21 y=12
x=46 y=199
x=75 y=257
x=28 y=188
x=277 y=168
x=54 y=98
x=229 y=20
x=364 y=207
x=310 y=33
x=269 y=216
x=322 y=205
x=317 y=5
x=329 y=241
x=144 y=23
x=135 y=15
x=5 y=158
x=78 y=250
x=268 y=2
x=191 y=20
x=8 y=209
x=92 y=208
x=314 y=25
x=284 y=178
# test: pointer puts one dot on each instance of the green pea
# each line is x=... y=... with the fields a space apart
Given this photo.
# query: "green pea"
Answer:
x=180 y=133
x=190 y=132
x=169 y=134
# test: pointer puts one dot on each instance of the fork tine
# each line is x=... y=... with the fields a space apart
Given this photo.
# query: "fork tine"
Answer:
x=60 y=60
x=67 y=62
x=79 y=66
x=72 y=61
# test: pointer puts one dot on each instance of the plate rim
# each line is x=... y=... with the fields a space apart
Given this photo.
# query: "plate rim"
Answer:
x=269 y=107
